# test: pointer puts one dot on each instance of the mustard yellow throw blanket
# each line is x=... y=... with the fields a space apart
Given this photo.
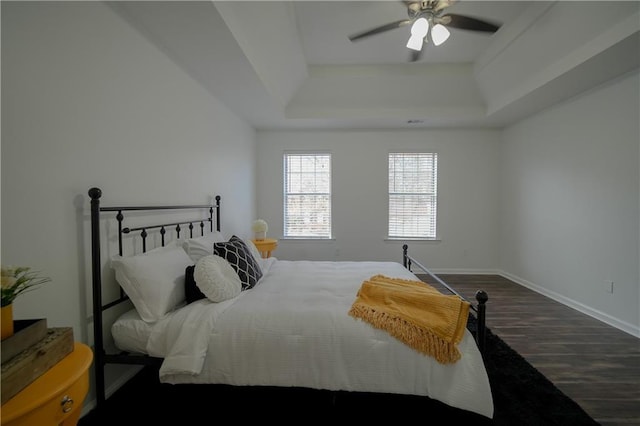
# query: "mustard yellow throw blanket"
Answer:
x=415 y=313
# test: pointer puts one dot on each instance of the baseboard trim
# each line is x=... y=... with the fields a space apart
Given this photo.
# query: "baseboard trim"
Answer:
x=594 y=313
x=455 y=271
x=462 y=271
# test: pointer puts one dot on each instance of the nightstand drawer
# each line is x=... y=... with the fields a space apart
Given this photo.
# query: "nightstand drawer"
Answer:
x=56 y=397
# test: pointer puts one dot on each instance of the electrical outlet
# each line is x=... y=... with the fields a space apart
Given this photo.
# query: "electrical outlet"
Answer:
x=608 y=286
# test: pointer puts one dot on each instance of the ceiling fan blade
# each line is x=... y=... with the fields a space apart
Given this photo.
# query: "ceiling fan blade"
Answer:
x=468 y=23
x=380 y=29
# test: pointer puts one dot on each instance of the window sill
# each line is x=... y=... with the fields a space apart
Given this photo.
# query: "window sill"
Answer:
x=412 y=240
x=305 y=239
x=390 y=240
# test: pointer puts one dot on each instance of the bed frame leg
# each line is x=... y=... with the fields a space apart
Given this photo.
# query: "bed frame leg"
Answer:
x=95 y=194
x=481 y=297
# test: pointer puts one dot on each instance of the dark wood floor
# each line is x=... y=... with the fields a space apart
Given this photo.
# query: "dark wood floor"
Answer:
x=597 y=365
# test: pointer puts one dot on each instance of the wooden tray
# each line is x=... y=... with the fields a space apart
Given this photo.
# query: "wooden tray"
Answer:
x=28 y=365
x=25 y=333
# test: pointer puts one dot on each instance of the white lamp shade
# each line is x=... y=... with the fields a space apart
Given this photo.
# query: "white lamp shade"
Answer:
x=419 y=30
x=439 y=34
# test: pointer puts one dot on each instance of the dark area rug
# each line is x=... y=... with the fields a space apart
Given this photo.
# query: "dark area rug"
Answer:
x=522 y=397
x=521 y=394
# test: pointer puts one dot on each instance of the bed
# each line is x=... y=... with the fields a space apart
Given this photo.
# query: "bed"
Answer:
x=272 y=322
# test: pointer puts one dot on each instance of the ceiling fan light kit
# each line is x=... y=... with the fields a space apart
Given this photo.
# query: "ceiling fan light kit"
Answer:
x=428 y=22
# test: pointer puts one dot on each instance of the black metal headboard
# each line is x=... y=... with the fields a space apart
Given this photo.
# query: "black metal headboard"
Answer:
x=101 y=358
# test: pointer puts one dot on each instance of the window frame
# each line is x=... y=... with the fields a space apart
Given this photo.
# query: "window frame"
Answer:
x=434 y=235
x=290 y=153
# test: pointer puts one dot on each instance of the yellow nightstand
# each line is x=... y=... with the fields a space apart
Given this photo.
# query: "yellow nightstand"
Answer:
x=266 y=246
x=54 y=398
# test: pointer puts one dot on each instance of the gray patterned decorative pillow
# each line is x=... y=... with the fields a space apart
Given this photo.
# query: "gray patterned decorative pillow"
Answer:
x=236 y=252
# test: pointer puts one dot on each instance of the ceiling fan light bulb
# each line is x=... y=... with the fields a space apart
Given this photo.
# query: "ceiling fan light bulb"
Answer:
x=439 y=34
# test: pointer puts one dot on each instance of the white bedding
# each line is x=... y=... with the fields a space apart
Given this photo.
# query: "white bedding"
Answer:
x=293 y=329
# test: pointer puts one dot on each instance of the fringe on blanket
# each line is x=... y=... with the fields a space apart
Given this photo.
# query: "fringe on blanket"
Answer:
x=384 y=310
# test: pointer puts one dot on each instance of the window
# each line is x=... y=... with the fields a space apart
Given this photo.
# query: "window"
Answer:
x=307 y=195
x=413 y=183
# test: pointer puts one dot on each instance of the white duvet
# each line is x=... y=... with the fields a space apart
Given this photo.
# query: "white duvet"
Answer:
x=293 y=329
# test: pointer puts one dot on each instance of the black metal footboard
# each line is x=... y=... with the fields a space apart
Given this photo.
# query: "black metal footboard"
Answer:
x=481 y=297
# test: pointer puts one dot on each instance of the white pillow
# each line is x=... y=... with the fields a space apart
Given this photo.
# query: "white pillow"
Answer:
x=216 y=278
x=202 y=246
x=154 y=281
x=130 y=333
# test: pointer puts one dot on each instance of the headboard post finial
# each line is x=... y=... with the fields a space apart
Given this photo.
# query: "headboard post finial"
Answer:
x=95 y=193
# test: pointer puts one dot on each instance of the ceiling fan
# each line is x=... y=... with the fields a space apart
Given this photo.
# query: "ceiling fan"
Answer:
x=429 y=23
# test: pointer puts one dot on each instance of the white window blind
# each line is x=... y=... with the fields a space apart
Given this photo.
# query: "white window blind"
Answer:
x=413 y=186
x=307 y=195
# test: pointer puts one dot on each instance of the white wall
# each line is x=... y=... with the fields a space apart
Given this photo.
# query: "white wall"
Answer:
x=87 y=101
x=570 y=202
x=468 y=166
